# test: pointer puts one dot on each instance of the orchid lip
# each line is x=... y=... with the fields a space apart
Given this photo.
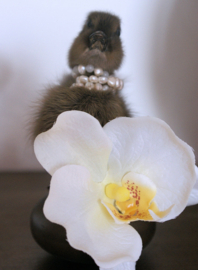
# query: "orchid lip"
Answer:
x=119 y=211
x=134 y=200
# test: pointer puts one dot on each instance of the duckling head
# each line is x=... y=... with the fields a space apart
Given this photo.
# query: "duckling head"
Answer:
x=98 y=43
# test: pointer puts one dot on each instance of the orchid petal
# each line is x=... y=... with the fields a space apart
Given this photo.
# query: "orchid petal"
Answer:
x=123 y=266
x=193 y=198
x=148 y=146
x=73 y=202
x=156 y=214
x=76 y=138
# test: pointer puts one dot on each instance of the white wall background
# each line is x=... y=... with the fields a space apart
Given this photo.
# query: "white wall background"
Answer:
x=160 y=68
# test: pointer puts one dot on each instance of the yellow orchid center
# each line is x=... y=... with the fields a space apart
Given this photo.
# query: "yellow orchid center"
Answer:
x=113 y=191
x=133 y=200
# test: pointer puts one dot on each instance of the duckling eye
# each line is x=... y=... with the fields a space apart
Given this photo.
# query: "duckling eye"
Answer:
x=89 y=24
x=118 y=32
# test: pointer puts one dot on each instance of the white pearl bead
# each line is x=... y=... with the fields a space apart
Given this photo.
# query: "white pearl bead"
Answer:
x=93 y=79
x=89 y=85
x=105 y=87
x=83 y=79
x=106 y=74
x=111 y=81
x=79 y=84
x=102 y=80
x=78 y=79
x=74 y=75
x=81 y=69
x=117 y=83
x=75 y=69
x=121 y=85
x=98 y=71
x=89 y=68
x=98 y=86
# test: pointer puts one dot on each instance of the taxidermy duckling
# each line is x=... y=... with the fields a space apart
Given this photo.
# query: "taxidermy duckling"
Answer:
x=95 y=53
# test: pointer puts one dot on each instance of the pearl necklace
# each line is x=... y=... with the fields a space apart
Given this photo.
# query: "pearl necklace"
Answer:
x=99 y=81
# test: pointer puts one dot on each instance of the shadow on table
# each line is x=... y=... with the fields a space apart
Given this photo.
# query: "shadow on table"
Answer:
x=50 y=262
x=53 y=263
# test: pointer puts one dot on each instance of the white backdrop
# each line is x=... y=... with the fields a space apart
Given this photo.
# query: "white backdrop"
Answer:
x=160 y=68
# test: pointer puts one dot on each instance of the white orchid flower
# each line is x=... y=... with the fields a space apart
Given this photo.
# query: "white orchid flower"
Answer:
x=103 y=178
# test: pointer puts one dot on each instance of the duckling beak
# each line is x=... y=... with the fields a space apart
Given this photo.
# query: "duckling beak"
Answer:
x=98 y=40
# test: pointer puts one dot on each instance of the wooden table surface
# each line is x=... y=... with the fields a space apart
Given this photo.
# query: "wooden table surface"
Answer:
x=174 y=246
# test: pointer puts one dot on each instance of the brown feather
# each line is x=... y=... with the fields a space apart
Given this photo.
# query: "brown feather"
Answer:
x=103 y=105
